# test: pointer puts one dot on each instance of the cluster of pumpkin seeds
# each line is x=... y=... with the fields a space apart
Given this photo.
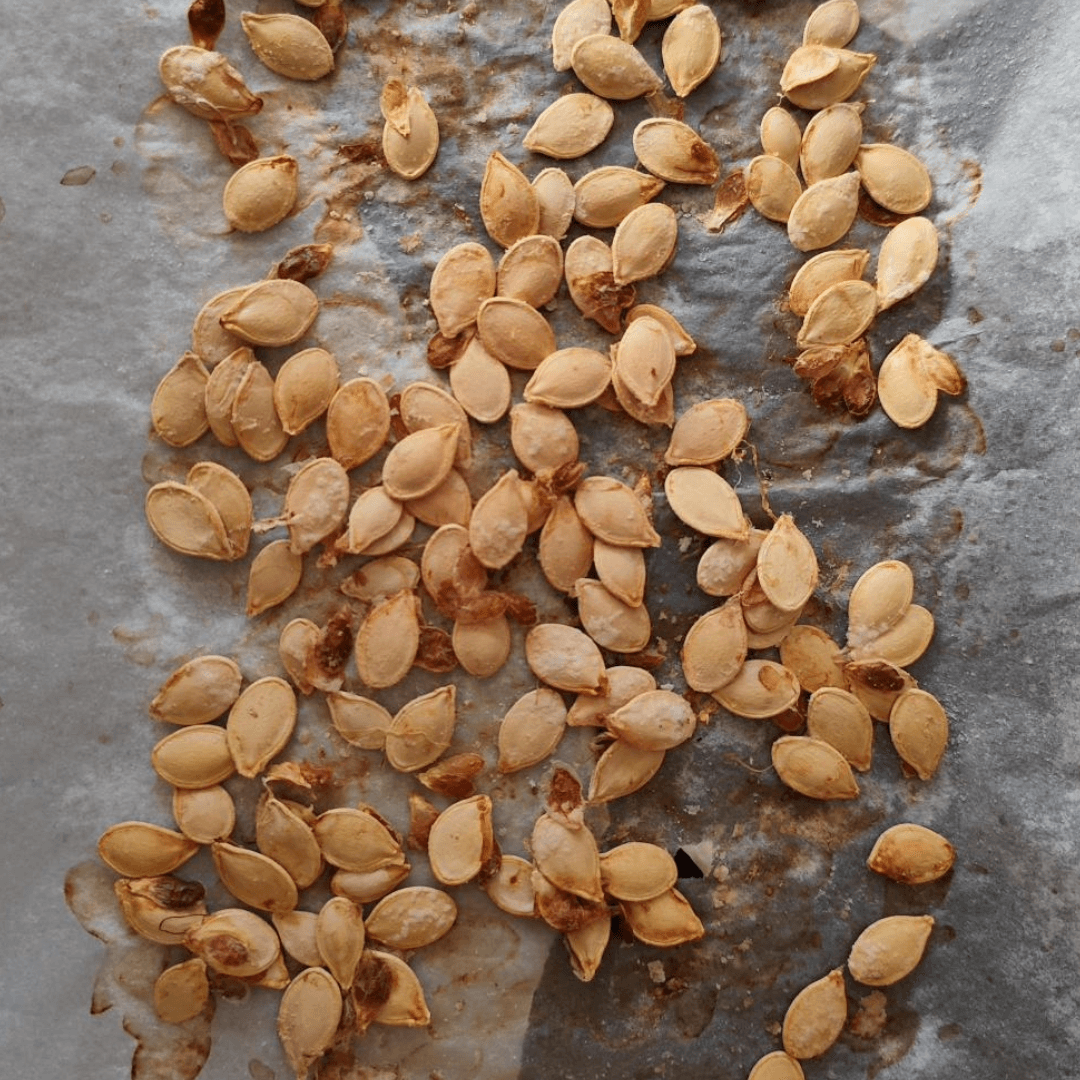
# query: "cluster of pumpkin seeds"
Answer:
x=829 y=292
x=338 y=969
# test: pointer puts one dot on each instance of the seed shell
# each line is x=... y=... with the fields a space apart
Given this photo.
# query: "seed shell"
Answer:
x=206 y=84
x=606 y=195
x=308 y=1018
x=877 y=684
x=304 y=387
x=787 y=567
x=461 y=840
x=644 y=243
x=838 y=717
x=412 y=918
x=906 y=260
x=609 y=621
x=178 y=408
x=664 y=921
x=193 y=757
x=772 y=187
x=515 y=333
x=570 y=127
x=204 y=814
x=840 y=315
x=817 y=76
x=705 y=501
x=387 y=641
x=567 y=857
x=315 y=503
x=691 y=48
x=816 y=1017
x=405 y=1006
x=919 y=729
x=531 y=270
x=422 y=729
x=449 y=504
x=198 y=691
x=565 y=658
x=781 y=136
x=420 y=462
x=569 y=378
x=894 y=178
x=261 y=193
x=254 y=418
x=282 y=835
x=543 y=439
x=889 y=949
x=462 y=280
x=339 y=937
x=274 y=312
x=911 y=854
x=824 y=212
x=613 y=68
x=555 y=196
x=253 y=878
x=654 y=720
x=220 y=393
x=182 y=991
x=578 y=19
x=288 y=44
x=356 y=840
x=531 y=729
x=621 y=770
x=508 y=205
x=831 y=141
x=187 y=522
x=139 y=849
x=613 y=513
x=813 y=768
x=411 y=153
x=260 y=723
x=234 y=942
x=834 y=23
x=823 y=270
x=761 y=689
x=675 y=152
x=714 y=649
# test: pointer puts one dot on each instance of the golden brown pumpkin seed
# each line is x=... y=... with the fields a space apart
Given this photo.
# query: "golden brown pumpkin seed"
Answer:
x=816 y=1017
x=621 y=770
x=622 y=572
x=515 y=333
x=206 y=84
x=412 y=918
x=705 y=501
x=260 y=723
x=691 y=48
x=296 y=929
x=814 y=658
x=410 y=153
x=282 y=835
x=220 y=393
x=405 y=1005
x=612 y=512
x=230 y=498
x=261 y=193
x=420 y=462
x=675 y=152
x=665 y=920
x=531 y=729
x=498 y=526
x=139 y=849
x=772 y=187
x=587 y=943
x=919 y=730
x=531 y=270
x=423 y=405
x=824 y=212
x=387 y=641
x=422 y=729
x=510 y=888
x=644 y=243
x=204 y=814
x=904 y=642
x=542 y=438
x=373 y=515
x=274 y=312
x=568 y=378
x=304 y=387
x=877 y=684
x=820 y=272
x=178 y=408
x=572 y=126
x=591 y=283
x=356 y=840
x=725 y=564
x=834 y=23
x=777 y=1066
x=911 y=376
x=839 y=718
x=308 y=1018
x=462 y=280
x=339 y=937
x=315 y=503
x=254 y=418
x=253 y=878
x=817 y=76
x=894 y=178
x=381 y=578
x=289 y=45
x=613 y=68
x=461 y=840
x=555 y=195
x=182 y=991
x=654 y=720
x=359 y=720
x=367 y=886
x=878 y=601
x=606 y=195
x=578 y=19
x=567 y=857
x=565 y=658
x=762 y=688
x=508 y=204
x=630 y=17
x=715 y=648
x=566 y=546
x=624 y=684
x=813 y=768
x=449 y=504
x=906 y=260
x=234 y=942
x=198 y=691
x=889 y=949
x=193 y=757
x=637 y=871
x=187 y=522
x=780 y=136
x=609 y=621
x=482 y=647
x=831 y=141
x=911 y=854
x=708 y=432
x=787 y=567
x=840 y=315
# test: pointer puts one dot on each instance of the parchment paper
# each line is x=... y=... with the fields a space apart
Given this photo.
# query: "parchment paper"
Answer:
x=112 y=237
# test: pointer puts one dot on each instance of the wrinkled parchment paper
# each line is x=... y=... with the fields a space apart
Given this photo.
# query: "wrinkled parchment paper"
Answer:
x=112 y=238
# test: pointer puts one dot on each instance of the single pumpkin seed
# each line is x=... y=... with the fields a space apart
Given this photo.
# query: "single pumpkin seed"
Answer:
x=894 y=178
x=787 y=568
x=410 y=153
x=621 y=770
x=578 y=19
x=664 y=921
x=161 y=909
x=254 y=418
x=315 y=503
x=610 y=622
x=204 y=814
x=387 y=641
x=878 y=601
x=569 y=378
x=230 y=498
x=714 y=649
x=777 y=1066
x=555 y=196
x=834 y=23
x=644 y=243
x=708 y=432
x=824 y=212
x=253 y=878
x=705 y=501
x=304 y=387
x=813 y=768
x=381 y=578
x=359 y=720
x=567 y=857
x=904 y=642
x=206 y=84
x=289 y=45
x=373 y=515
x=587 y=943
x=462 y=280
x=449 y=504
x=613 y=513
x=482 y=647
x=889 y=949
x=296 y=648
x=565 y=658
x=274 y=312
x=405 y=1005
x=515 y=333
x=781 y=136
x=139 y=849
x=761 y=689
x=604 y=197
x=510 y=887
x=817 y=76
x=911 y=376
x=542 y=438
x=919 y=729
x=906 y=260
x=691 y=48
x=570 y=127
x=530 y=730
x=531 y=270
x=339 y=937
x=654 y=720
x=822 y=271
x=182 y=991
x=296 y=929
x=840 y=315
x=566 y=546
x=590 y=280
x=308 y=1017
x=838 y=717
x=356 y=840
x=613 y=68
x=911 y=854
x=725 y=564
x=412 y=918
x=210 y=341
x=681 y=341
x=814 y=658
x=261 y=193
x=193 y=757
x=461 y=841
x=260 y=723
x=282 y=835
x=187 y=522
x=421 y=730
x=637 y=871
x=772 y=187
x=621 y=570
x=198 y=691
x=178 y=408
x=831 y=141
x=497 y=528
x=234 y=942
x=420 y=462
x=815 y=1017
x=675 y=152
x=630 y=17
x=220 y=393
x=508 y=204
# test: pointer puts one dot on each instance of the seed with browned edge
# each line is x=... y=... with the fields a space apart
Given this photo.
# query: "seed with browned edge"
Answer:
x=591 y=283
x=161 y=909
x=889 y=949
x=508 y=204
x=906 y=260
x=570 y=127
x=356 y=840
x=139 y=849
x=315 y=503
x=613 y=68
x=894 y=178
x=198 y=691
x=411 y=918
x=691 y=48
x=261 y=193
x=665 y=920
x=565 y=658
x=253 y=878
x=817 y=76
x=816 y=1016
x=461 y=840
x=813 y=768
x=206 y=84
x=260 y=723
x=178 y=407
x=410 y=153
x=235 y=942
x=910 y=378
x=387 y=641
x=877 y=684
x=839 y=718
x=274 y=312
x=578 y=19
x=193 y=757
x=675 y=152
x=462 y=280
x=621 y=770
x=182 y=991
x=308 y=1018
x=911 y=854
x=288 y=44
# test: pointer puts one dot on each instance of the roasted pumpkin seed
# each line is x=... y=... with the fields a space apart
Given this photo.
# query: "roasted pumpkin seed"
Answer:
x=919 y=729
x=565 y=658
x=815 y=1017
x=894 y=178
x=261 y=193
x=178 y=408
x=578 y=19
x=253 y=878
x=139 y=849
x=570 y=127
x=772 y=187
x=644 y=243
x=308 y=1018
x=288 y=44
x=304 y=387
x=675 y=152
x=911 y=854
x=822 y=271
x=691 y=48
x=461 y=841
x=462 y=280
x=813 y=768
x=824 y=212
x=613 y=68
x=410 y=153
x=182 y=991
x=508 y=205
x=889 y=949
